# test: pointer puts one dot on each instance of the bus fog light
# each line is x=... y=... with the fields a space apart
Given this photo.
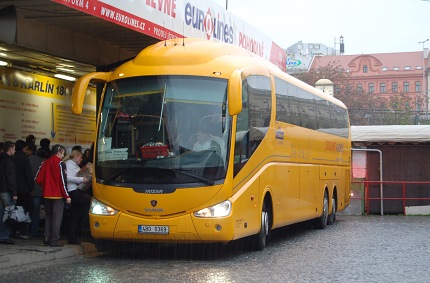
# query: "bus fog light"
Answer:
x=96 y=224
x=222 y=209
x=218 y=227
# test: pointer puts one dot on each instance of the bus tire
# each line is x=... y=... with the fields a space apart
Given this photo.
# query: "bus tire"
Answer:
x=332 y=216
x=321 y=222
x=260 y=239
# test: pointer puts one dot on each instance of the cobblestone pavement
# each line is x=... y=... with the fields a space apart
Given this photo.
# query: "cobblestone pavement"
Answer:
x=354 y=249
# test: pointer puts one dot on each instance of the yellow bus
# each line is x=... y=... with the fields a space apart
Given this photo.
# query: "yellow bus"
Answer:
x=201 y=141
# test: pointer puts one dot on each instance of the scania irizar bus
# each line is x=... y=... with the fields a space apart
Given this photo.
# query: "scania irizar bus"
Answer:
x=283 y=151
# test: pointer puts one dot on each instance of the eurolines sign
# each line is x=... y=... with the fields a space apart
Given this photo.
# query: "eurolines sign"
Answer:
x=167 y=19
x=216 y=27
x=213 y=27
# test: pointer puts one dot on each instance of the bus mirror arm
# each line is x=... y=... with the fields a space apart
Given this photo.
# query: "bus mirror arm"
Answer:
x=80 y=89
x=235 y=93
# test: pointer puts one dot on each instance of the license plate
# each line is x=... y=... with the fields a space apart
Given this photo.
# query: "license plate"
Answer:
x=150 y=229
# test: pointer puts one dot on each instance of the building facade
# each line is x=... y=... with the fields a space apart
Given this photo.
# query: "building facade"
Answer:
x=302 y=48
x=300 y=55
x=386 y=74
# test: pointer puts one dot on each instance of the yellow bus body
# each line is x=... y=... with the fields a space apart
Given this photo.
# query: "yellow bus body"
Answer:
x=293 y=166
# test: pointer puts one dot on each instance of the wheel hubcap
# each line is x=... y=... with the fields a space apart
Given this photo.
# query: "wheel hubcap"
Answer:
x=325 y=211
x=265 y=222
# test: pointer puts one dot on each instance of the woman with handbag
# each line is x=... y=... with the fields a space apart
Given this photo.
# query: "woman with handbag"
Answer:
x=81 y=200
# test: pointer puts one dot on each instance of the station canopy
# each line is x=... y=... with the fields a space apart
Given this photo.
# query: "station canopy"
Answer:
x=406 y=134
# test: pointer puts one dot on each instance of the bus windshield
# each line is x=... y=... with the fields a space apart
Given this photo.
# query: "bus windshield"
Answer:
x=163 y=130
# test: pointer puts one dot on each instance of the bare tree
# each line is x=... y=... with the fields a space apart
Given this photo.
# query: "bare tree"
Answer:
x=365 y=108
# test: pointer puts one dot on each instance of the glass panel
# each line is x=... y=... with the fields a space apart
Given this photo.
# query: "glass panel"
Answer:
x=164 y=129
x=417 y=86
x=302 y=108
x=253 y=121
x=394 y=87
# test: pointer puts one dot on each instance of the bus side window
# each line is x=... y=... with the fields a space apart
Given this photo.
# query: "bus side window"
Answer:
x=242 y=133
x=253 y=121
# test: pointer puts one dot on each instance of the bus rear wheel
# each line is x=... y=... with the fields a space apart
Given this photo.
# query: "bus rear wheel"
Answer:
x=321 y=222
x=332 y=216
x=260 y=239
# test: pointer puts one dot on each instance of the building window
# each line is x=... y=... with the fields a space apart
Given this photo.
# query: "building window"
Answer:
x=405 y=86
x=382 y=87
x=360 y=87
x=407 y=68
x=407 y=105
x=417 y=104
x=384 y=69
x=394 y=87
x=417 y=86
x=348 y=88
x=365 y=69
x=371 y=88
x=396 y=68
x=419 y=68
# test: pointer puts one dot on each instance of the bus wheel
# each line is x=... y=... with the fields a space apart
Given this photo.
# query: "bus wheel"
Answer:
x=259 y=240
x=321 y=222
x=332 y=215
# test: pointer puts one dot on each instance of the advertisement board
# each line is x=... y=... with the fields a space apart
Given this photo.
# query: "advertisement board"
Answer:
x=39 y=105
x=167 y=19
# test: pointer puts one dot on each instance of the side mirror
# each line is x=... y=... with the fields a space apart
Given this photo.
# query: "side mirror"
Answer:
x=80 y=88
x=235 y=93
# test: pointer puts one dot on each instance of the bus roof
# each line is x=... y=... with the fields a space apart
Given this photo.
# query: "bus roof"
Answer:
x=170 y=57
x=208 y=57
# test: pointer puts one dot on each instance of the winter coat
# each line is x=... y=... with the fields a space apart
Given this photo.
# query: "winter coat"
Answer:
x=25 y=179
x=52 y=177
x=35 y=162
x=7 y=174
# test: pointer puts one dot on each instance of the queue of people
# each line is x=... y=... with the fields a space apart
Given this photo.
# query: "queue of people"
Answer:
x=30 y=177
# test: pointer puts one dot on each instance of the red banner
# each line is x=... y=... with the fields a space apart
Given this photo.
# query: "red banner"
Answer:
x=191 y=17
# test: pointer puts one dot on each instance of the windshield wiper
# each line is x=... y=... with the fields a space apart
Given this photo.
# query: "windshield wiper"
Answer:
x=163 y=101
x=205 y=180
x=136 y=165
x=117 y=174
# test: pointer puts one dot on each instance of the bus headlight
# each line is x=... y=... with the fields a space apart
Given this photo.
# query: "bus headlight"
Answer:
x=219 y=210
x=99 y=208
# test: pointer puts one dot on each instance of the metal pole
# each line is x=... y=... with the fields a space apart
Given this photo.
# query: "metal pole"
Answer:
x=380 y=174
x=424 y=86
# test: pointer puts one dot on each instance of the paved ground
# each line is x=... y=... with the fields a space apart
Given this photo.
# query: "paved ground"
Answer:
x=390 y=248
x=33 y=251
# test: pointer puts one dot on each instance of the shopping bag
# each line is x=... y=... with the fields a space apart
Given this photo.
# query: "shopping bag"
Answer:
x=15 y=213
x=86 y=171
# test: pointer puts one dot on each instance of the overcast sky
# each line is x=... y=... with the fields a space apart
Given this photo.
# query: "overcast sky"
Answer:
x=368 y=26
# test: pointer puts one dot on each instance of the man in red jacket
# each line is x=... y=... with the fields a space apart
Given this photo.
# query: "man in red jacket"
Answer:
x=53 y=179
